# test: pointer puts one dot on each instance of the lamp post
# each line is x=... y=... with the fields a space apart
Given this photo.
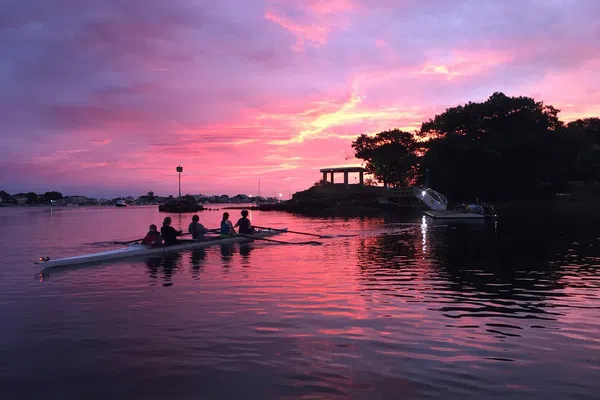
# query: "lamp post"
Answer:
x=179 y=171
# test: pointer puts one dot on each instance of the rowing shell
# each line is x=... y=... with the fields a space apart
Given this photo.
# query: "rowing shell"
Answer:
x=141 y=250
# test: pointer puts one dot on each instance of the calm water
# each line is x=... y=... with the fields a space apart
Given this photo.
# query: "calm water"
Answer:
x=406 y=309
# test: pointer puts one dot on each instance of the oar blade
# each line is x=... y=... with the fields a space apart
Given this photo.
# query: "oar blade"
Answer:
x=311 y=243
x=337 y=236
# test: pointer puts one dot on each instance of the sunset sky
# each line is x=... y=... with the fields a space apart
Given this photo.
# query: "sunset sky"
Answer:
x=106 y=97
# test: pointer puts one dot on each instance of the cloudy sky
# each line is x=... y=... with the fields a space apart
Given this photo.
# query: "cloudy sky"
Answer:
x=107 y=97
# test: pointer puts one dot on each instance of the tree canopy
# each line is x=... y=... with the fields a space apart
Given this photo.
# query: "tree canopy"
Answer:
x=49 y=196
x=391 y=156
x=502 y=147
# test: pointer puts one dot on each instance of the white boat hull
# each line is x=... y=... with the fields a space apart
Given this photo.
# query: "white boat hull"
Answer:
x=141 y=250
x=453 y=215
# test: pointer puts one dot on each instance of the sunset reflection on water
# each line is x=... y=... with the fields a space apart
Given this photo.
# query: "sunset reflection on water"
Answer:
x=409 y=307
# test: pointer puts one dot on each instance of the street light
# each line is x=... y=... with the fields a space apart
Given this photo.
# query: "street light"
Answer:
x=179 y=171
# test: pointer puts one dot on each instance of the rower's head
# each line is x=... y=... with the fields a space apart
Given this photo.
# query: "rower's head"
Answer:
x=195 y=218
x=225 y=216
x=244 y=213
x=153 y=228
x=167 y=221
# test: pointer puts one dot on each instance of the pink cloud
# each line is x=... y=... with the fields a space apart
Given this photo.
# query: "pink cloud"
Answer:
x=330 y=6
x=101 y=142
x=315 y=35
x=112 y=97
x=464 y=63
x=320 y=19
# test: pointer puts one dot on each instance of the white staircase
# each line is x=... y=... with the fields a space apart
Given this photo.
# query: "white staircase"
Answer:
x=434 y=200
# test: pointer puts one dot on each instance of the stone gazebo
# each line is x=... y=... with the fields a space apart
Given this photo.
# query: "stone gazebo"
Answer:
x=345 y=170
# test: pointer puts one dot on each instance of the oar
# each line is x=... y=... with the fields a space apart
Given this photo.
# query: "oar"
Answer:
x=217 y=230
x=132 y=241
x=277 y=241
x=304 y=233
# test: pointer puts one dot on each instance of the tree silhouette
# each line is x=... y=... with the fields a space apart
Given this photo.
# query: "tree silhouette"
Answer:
x=504 y=147
x=500 y=147
x=391 y=156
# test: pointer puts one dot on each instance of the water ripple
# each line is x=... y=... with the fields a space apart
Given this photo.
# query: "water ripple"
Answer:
x=409 y=309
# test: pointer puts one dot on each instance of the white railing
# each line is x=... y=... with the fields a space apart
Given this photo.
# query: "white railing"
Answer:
x=434 y=200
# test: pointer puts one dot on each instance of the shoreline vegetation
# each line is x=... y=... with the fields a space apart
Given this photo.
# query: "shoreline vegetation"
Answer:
x=505 y=150
x=339 y=201
x=32 y=199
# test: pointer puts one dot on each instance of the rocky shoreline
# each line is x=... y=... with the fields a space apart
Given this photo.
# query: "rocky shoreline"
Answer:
x=358 y=201
x=340 y=200
x=186 y=204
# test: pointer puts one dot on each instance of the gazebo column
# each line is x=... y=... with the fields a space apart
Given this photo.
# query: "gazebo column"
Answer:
x=345 y=177
x=361 y=180
x=332 y=177
x=324 y=176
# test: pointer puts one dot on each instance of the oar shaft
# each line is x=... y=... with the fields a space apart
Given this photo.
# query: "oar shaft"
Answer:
x=273 y=240
x=139 y=240
x=284 y=230
x=265 y=239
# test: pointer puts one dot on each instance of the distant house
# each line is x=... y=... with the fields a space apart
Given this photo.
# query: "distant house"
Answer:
x=241 y=198
x=21 y=200
x=6 y=198
x=76 y=200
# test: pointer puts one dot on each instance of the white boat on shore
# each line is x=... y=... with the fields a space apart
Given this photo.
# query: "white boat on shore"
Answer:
x=120 y=203
x=453 y=215
x=135 y=249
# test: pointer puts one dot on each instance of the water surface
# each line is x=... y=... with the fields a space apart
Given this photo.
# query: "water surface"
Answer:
x=408 y=308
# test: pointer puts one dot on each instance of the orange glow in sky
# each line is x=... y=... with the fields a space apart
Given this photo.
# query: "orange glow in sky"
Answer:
x=109 y=99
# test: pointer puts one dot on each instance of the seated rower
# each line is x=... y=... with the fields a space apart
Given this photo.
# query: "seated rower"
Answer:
x=197 y=229
x=227 y=226
x=169 y=233
x=152 y=238
x=244 y=224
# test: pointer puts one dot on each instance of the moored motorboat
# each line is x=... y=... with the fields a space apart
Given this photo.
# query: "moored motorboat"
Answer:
x=135 y=249
x=453 y=215
x=120 y=203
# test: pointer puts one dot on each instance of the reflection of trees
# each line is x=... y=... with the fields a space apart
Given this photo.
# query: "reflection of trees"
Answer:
x=386 y=251
x=495 y=269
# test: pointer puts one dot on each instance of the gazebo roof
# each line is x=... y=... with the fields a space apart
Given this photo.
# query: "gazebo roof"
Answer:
x=344 y=169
